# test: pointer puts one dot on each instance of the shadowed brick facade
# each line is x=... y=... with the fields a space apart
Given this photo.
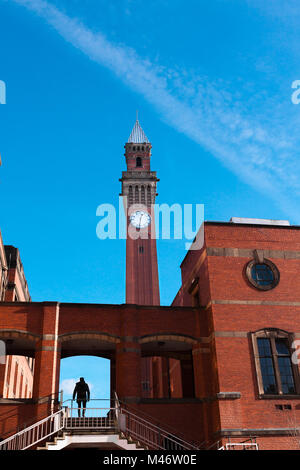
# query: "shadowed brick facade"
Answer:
x=212 y=341
x=200 y=355
x=16 y=375
x=230 y=310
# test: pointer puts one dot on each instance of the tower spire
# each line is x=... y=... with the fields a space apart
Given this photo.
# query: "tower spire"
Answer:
x=137 y=135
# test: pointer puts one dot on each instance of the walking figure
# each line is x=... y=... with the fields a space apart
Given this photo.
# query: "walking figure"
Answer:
x=83 y=395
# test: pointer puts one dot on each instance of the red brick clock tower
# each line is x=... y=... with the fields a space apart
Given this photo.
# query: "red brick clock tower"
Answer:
x=139 y=185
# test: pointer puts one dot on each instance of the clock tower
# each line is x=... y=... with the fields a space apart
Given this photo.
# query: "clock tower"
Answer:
x=139 y=186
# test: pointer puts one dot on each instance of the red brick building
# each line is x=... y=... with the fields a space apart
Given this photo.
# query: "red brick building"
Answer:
x=218 y=364
x=16 y=375
x=244 y=283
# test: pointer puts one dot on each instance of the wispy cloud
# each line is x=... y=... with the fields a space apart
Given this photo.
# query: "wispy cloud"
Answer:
x=255 y=139
x=68 y=385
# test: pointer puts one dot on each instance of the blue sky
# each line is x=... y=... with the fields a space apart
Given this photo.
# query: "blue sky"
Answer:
x=212 y=82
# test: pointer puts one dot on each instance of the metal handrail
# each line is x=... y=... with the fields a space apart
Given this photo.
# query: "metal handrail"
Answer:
x=150 y=434
x=53 y=398
x=162 y=438
x=167 y=428
x=36 y=433
x=244 y=445
x=133 y=426
x=91 y=399
x=101 y=418
x=249 y=443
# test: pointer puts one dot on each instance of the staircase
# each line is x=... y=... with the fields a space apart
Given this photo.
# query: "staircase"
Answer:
x=99 y=440
x=108 y=429
x=102 y=428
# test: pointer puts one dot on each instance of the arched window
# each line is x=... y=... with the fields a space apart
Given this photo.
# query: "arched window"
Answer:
x=143 y=200
x=149 y=195
x=276 y=372
x=130 y=194
x=138 y=162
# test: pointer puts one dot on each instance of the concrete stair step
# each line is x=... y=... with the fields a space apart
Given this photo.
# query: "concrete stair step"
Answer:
x=131 y=444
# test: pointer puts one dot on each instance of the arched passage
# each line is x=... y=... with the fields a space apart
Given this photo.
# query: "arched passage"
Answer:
x=90 y=353
x=96 y=373
x=87 y=343
x=17 y=366
x=167 y=359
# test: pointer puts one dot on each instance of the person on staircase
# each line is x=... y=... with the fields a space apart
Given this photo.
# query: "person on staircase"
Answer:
x=83 y=395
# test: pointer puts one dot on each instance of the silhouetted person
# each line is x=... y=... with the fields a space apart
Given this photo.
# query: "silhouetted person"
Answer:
x=83 y=395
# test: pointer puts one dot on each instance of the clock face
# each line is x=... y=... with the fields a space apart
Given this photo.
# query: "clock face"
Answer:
x=140 y=219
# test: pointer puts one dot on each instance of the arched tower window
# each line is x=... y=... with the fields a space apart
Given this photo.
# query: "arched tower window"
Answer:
x=149 y=196
x=137 y=198
x=130 y=194
x=143 y=200
x=138 y=162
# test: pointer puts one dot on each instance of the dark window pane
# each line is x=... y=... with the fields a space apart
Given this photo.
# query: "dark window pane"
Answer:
x=262 y=274
x=270 y=388
x=282 y=347
x=264 y=347
x=286 y=374
x=267 y=366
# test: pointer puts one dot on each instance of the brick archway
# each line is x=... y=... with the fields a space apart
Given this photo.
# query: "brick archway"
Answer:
x=19 y=342
x=94 y=343
x=121 y=333
x=160 y=343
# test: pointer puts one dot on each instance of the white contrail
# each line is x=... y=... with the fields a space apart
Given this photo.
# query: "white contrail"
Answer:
x=259 y=149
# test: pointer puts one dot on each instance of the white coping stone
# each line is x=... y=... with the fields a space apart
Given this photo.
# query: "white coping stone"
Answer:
x=89 y=440
x=245 y=220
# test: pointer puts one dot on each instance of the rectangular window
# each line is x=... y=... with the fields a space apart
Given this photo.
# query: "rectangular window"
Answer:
x=276 y=374
x=267 y=366
x=146 y=386
x=285 y=366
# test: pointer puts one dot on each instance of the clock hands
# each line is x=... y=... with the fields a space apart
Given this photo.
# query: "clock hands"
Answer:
x=140 y=219
x=141 y=215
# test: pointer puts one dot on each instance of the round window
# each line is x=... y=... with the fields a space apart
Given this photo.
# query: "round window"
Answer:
x=263 y=276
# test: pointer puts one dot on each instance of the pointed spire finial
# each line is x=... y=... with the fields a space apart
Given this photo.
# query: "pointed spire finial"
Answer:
x=137 y=135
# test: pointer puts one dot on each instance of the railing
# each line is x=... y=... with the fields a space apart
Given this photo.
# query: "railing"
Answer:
x=36 y=433
x=239 y=446
x=148 y=434
x=114 y=418
x=167 y=428
x=153 y=436
x=249 y=444
x=103 y=417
